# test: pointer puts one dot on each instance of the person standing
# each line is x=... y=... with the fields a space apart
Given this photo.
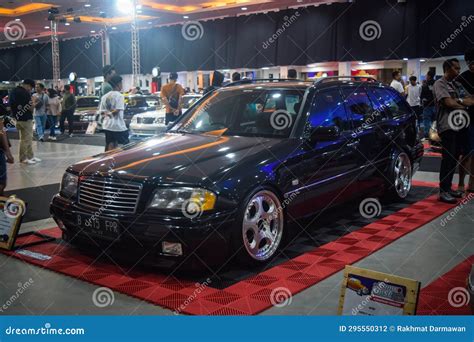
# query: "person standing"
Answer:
x=108 y=72
x=467 y=81
x=40 y=103
x=449 y=95
x=22 y=108
x=427 y=100
x=111 y=108
x=53 y=111
x=236 y=76
x=292 y=74
x=172 y=96
x=413 y=96
x=68 y=108
x=217 y=81
x=5 y=157
x=396 y=82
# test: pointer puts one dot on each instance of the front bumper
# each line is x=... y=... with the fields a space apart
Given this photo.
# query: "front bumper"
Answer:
x=205 y=239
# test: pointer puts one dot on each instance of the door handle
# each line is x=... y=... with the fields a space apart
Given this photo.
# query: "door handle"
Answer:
x=353 y=143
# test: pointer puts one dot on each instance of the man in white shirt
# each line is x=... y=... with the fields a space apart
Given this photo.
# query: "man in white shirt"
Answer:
x=413 y=97
x=111 y=109
x=396 y=82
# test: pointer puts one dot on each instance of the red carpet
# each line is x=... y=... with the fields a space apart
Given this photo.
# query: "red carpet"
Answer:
x=429 y=152
x=434 y=298
x=249 y=296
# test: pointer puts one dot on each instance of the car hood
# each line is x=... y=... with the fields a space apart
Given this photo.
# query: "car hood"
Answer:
x=176 y=158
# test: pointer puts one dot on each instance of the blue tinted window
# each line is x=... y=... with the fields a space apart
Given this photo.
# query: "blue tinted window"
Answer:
x=358 y=106
x=328 y=110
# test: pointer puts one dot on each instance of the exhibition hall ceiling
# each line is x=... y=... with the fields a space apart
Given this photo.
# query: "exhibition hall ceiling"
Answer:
x=28 y=22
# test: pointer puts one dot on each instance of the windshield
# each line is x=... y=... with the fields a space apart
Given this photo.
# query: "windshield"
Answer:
x=85 y=102
x=248 y=112
x=188 y=101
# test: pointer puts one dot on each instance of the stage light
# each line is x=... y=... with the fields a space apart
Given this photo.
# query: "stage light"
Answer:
x=53 y=10
x=125 y=6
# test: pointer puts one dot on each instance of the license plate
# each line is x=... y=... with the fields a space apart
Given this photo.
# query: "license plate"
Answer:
x=98 y=226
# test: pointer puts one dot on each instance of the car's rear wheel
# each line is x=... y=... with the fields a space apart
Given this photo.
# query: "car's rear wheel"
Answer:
x=400 y=176
x=262 y=222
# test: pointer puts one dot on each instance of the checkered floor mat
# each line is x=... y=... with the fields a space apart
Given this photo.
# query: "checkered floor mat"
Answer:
x=320 y=251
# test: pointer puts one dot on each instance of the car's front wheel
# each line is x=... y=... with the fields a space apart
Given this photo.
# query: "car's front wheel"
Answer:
x=262 y=221
x=400 y=176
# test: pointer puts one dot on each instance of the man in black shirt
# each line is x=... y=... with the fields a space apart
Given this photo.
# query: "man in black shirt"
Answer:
x=427 y=101
x=467 y=80
x=22 y=109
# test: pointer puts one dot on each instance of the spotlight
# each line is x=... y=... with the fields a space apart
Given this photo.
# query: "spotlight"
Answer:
x=53 y=10
x=77 y=19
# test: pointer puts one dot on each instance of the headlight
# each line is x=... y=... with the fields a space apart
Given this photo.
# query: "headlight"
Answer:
x=180 y=198
x=69 y=185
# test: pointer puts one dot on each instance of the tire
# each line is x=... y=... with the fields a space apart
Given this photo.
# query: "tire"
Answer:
x=400 y=177
x=259 y=228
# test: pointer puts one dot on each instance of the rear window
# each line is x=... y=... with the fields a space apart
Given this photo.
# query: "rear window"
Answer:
x=85 y=102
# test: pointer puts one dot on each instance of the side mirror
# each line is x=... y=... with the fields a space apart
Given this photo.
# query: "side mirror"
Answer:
x=324 y=134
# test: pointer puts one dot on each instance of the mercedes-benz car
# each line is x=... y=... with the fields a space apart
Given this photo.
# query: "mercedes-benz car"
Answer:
x=228 y=178
x=86 y=112
x=154 y=122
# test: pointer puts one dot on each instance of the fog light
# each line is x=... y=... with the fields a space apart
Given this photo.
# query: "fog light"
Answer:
x=172 y=248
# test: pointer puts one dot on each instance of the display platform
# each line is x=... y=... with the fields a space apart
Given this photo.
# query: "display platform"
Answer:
x=435 y=298
x=317 y=254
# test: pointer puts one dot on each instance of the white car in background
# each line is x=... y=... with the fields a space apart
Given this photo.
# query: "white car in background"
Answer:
x=154 y=122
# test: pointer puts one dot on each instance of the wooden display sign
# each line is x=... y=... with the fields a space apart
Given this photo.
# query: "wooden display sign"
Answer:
x=12 y=210
x=369 y=293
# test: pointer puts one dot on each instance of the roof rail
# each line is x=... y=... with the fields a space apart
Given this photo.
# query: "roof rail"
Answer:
x=262 y=80
x=352 y=78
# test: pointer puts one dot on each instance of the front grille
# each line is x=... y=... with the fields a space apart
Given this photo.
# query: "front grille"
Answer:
x=109 y=196
x=146 y=121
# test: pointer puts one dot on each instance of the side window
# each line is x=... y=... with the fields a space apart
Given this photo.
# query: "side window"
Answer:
x=328 y=110
x=381 y=103
x=393 y=101
x=359 y=107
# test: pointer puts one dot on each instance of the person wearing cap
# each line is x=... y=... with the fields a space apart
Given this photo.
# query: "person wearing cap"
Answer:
x=172 y=96
x=22 y=109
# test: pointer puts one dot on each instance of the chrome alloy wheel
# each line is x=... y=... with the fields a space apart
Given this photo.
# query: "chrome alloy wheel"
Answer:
x=402 y=173
x=262 y=226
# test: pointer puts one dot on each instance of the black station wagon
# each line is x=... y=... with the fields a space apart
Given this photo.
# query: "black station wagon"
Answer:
x=241 y=164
